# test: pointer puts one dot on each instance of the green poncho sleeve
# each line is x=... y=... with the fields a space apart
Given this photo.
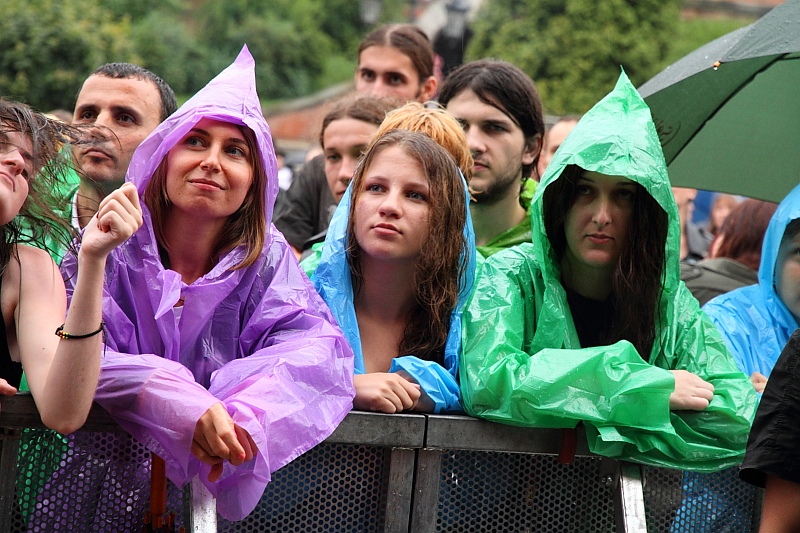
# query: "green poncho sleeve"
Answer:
x=519 y=370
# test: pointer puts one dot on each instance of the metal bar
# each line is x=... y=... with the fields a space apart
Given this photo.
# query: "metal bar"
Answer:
x=399 y=490
x=467 y=433
x=629 y=498
x=377 y=429
x=203 y=517
x=9 y=447
x=426 y=491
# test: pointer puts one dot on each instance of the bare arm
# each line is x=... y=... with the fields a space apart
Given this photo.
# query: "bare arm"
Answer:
x=63 y=373
x=781 y=511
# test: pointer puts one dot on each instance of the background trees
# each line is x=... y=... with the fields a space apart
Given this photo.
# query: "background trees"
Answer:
x=572 y=48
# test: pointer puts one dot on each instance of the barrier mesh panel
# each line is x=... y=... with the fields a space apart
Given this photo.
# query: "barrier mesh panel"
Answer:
x=499 y=492
x=333 y=487
x=687 y=502
x=88 y=482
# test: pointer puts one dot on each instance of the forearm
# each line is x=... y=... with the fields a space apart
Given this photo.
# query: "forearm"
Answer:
x=72 y=378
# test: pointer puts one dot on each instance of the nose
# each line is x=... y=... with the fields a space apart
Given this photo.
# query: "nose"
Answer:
x=347 y=169
x=11 y=157
x=602 y=213
x=210 y=162
x=475 y=141
x=390 y=206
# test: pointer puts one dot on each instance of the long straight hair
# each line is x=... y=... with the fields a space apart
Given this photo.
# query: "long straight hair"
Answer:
x=637 y=282
x=247 y=226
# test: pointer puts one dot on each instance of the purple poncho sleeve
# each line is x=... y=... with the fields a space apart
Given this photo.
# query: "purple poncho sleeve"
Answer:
x=285 y=376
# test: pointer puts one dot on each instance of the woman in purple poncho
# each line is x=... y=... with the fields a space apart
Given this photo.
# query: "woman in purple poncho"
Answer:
x=221 y=357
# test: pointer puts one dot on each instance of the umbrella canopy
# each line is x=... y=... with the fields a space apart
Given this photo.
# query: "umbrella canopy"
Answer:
x=728 y=114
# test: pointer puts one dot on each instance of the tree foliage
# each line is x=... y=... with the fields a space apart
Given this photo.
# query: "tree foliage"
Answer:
x=50 y=46
x=573 y=49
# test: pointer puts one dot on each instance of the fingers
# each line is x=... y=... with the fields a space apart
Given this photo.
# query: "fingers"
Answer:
x=759 y=381
x=218 y=439
x=691 y=392
x=384 y=392
x=6 y=389
x=120 y=210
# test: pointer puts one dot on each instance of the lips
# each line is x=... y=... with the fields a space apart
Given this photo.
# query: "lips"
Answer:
x=600 y=238
x=96 y=153
x=386 y=228
x=206 y=183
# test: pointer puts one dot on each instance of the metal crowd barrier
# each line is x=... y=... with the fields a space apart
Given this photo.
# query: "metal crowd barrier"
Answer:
x=376 y=473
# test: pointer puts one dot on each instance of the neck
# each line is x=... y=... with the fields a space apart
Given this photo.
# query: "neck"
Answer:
x=490 y=220
x=592 y=283
x=89 y=196
x=191 y=245
x=386 y=292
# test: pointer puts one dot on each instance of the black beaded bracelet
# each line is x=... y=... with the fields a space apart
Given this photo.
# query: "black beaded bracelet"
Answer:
x=64 y=335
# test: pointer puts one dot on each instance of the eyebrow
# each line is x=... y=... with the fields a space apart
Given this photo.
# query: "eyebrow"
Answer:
x=26 y=155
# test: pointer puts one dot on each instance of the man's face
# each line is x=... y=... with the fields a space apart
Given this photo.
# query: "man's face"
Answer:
x=552 y=140
x=386 y=71
x=121 y=113
x=497 y=144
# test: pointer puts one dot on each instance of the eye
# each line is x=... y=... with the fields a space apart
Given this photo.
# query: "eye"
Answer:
x=464 y=125
x=193 y=141
x=125 y=118
x=373 y=187
x=333 y=158
x=367 y=75
x=87 y=116
x=416 y=195
x=396 y=79
x=235 y=151
x=626 y=194
x=495 y=128
x=583 y=190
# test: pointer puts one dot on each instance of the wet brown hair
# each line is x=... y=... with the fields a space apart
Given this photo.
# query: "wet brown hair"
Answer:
x=50 y=174
x=442 y=261
x=637 y=281
x=437 y=124
x=247 y=226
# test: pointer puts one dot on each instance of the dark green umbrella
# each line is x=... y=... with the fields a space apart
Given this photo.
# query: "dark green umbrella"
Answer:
x=728 y=114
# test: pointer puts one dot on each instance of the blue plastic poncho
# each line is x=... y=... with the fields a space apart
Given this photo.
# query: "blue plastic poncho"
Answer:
x=754 y=322
x=258 y=339
x=332 y=280
x=523 y=363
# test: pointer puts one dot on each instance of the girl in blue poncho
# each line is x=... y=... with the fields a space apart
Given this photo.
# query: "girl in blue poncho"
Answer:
x=408 y=267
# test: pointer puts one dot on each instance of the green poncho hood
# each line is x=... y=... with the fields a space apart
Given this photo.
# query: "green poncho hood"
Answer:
x=617 y=137
x=523 y=363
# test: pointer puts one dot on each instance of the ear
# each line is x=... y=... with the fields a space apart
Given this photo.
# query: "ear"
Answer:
x=531 y=150
x=428 y=89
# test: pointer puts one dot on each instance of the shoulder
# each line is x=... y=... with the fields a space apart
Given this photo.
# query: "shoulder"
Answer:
x=34 y=260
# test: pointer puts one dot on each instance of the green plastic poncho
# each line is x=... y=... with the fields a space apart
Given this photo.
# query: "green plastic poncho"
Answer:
x=523 y=363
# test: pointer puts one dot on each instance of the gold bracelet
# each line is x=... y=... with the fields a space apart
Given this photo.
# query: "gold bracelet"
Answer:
x=64 y=335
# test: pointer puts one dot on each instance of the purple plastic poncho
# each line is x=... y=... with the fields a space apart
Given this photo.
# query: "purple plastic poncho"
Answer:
x=258 y=339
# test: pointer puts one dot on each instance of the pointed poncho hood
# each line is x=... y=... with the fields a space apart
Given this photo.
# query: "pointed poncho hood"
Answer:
x=754 y=321
x=258 y=339
x=229 y=97
x=617 y=137
x=523 y=363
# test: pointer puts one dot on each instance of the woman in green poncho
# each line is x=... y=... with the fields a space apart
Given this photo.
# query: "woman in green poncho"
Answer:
x=590 y=323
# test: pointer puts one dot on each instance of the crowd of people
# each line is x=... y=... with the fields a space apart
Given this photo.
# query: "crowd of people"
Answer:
x=457 y=257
